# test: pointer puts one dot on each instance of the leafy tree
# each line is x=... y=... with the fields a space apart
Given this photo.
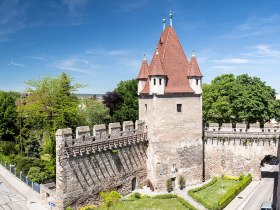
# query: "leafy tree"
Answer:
x=238 y=99
x=92 y=112
x=113 y=101
x=8 y=116
x=50 y=105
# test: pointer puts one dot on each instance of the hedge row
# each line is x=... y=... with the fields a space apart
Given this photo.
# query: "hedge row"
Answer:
x=181 y=200
x=234 y=191
x=227 y=198
x=200 y=200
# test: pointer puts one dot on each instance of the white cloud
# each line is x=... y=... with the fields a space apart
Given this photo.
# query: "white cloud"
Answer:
x=16 y=64
x=234 y=61
x=75 y=7
x=255 y=26
x=266 y=50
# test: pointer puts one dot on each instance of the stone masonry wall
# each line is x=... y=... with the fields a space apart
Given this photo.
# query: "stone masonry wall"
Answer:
x=235 y=151
x=175 y=138
x=90 y=164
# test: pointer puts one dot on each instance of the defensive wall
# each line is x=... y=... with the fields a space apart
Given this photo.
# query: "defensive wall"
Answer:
x=101 y=161
x=233 y=151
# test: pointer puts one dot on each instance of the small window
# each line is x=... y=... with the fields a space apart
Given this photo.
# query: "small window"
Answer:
x=179 y=107
x=154 y=81
x=159 y=81
x=146 y=107
x=197 y=81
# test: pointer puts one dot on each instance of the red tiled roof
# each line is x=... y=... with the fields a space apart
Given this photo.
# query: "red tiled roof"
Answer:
x=155 y=67
x=174 y=63
x=194 y=70
x=144 y=71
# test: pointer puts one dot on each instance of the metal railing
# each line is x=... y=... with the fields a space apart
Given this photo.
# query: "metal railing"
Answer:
x=18 y=174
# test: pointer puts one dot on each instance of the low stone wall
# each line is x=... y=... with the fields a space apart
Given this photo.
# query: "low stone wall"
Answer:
x=103 y=161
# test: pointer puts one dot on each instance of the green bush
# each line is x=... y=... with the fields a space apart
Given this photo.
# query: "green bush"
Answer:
x=241 y=177
x=7 y=148
x=134 y=196
x=168 y=185
x=200 y=200
x=228 y=177
x=182 y=182
x=165 y=196
x=109 y=198
x=186 y=204
x=69 y=208
x=234 y=191
x=36 y=174
x=24 y=164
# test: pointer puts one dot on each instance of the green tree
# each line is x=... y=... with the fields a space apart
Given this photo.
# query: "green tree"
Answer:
x=49 y=105
x=8 y=117
x=128 y=110
x=238 y=99
x=92 y=112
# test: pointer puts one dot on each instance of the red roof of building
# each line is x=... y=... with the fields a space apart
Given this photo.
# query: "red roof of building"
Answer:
x=144 y=71
x=194 y=70
x=173 y=62
x=155 y=67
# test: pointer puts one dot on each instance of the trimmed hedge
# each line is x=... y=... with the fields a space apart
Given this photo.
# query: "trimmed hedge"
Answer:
x=234 y=191
x=181 y=200
x=227 y=198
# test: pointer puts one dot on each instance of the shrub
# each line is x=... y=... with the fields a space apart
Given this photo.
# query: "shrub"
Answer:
x=89 y=207
x=228 y=177
x=69 y=208
x=241 y=177
x=182 y=182
x=186 y=204
x=234 y=191
x=134 y=196
x=36 y=174
x=24 y=164
x=109 y=198
x=7 y=148
x=165 y=196
x=168 y=185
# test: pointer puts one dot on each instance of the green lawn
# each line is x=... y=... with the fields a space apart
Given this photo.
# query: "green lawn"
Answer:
x=148 y=204
x=213 y=193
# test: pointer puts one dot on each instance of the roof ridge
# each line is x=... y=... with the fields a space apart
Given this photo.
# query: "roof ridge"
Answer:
x=166 y=44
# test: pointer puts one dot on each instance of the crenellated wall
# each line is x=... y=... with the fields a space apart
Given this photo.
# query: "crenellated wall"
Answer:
x=101 y=161
x=238 y=150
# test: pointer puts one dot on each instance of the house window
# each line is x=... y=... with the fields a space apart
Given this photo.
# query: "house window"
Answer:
x=159 y=81
x=146 y=107
x=154 y=81
x=196 y=81
x=179 y=107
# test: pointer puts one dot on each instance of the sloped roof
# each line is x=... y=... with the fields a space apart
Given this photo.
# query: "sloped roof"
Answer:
x=173 y=61
x=194 y=70
x=155 y=67
x=144 y=70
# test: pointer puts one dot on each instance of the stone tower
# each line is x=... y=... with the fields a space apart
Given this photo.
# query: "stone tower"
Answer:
x=170 y=103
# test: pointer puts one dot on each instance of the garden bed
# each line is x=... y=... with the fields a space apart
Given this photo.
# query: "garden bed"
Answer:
x=218 y=193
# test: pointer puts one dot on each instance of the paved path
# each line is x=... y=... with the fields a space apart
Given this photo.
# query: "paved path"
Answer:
x=265 y=190
x=10 y=198
x=22 y=197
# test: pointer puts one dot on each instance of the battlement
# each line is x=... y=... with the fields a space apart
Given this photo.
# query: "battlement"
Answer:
x=99 y=138
x=270 y=131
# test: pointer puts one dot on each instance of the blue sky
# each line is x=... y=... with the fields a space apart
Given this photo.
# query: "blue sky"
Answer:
x=102 y=42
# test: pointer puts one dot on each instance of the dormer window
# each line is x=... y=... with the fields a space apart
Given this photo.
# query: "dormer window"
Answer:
x=159 y=81
x=197 y=81
x=154 y=81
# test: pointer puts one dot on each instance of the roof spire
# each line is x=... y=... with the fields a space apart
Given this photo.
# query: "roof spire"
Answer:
x=163 y=21
x=170 y=17
x=193 y=53
x=144 y=58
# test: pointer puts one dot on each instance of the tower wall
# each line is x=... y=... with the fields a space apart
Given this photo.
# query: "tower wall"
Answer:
x=175 y=138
